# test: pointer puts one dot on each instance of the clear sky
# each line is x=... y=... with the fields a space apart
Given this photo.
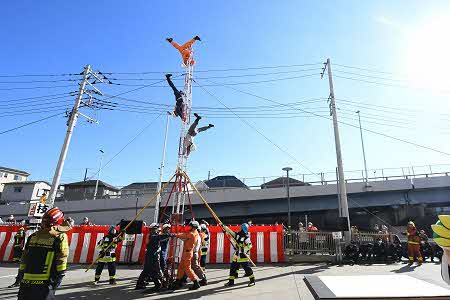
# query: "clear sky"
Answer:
x=406 y=39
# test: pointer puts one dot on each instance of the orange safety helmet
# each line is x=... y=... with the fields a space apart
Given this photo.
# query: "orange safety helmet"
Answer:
x=53 y=217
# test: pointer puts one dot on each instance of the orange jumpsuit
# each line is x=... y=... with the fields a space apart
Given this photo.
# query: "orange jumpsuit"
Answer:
x=413 y=245
x=202 y=236
x=190 y=239
x=186 y=51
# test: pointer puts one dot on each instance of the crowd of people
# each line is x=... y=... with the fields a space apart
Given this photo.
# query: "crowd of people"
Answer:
x=387 y=247
x=43 y=256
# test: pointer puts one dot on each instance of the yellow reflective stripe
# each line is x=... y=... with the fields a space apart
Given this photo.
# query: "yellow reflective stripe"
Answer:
x=251 y=276
x=22 y=267
x=413 y=243
x=232 y=278
x=242 y=259
x=61 y=267
x=47 y=269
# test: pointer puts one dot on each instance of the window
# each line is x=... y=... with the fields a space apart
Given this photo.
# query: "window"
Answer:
x=18 y=189
x=17 y=177
x=5 y=175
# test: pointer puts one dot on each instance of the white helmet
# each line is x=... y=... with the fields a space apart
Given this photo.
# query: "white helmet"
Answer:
x=194 y=224
x=203 y=227
x=167 y=226
x=154 y=226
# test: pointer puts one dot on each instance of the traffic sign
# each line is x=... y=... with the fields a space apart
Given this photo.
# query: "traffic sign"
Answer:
x=337 y=235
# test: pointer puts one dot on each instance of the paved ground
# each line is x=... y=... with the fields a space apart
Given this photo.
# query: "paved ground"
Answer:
x=282 y=282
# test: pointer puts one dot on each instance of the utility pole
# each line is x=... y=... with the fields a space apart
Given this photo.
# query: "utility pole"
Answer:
x=337 y=141
x=71 y=124
x=98 y=174
x=161 y=171
x=287 y=169
x=85 y=177
x=363 y=151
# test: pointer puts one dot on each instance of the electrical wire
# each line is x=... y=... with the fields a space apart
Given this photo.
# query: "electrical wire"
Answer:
x=256 y=129
x=28 y=124
x=36 y=87
x=345 y=123
x=36 y=97
x=126 y=145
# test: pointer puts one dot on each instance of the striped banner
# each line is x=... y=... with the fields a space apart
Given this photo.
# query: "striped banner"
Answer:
x=267 y=244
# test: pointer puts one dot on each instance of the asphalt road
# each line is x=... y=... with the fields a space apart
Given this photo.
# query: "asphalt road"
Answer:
x=282 y=282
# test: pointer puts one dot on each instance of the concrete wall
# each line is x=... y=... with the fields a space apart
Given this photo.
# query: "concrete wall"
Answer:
x=78 y=193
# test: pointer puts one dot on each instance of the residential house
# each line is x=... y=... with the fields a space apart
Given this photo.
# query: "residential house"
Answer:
x=85 y=190
x=222 y=182
x=24 y=191
x=282 y=182
x=140 y=188
x=11 y=175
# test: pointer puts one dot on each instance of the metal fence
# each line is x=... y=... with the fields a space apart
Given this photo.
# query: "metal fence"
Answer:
x=305 y=243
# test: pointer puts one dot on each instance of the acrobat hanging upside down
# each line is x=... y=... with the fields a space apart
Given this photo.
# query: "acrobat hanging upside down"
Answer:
x=185 y=50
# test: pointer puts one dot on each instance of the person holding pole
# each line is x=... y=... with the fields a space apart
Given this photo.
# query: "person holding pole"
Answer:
x=107 y=247
x=241 y=252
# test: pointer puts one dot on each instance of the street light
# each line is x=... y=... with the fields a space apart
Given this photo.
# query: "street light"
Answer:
x=98 y=174
x=287 y=169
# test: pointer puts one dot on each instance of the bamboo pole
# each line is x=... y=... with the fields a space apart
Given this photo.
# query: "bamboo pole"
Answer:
x=232 y=239
x=134 y=219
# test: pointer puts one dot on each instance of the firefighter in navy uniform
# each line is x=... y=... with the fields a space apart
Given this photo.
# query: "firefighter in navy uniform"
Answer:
x=152 y=264
x=107 y=247
x=44 y=259
x=240 y=257
x=19 y=243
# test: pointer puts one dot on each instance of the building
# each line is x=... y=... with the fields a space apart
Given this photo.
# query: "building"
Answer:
x=24 y=191
x=11 y=175
x=141 y=188
x=282 y=182
x=85 y=190
x=222 y=182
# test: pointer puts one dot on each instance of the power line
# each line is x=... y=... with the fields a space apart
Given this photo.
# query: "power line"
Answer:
x=28 y=124
x=36 y=87
x=344 y=123
x=39 y=75
x=126 y=145
x=256 y=129
x=363 y=69
x=218 y=70
x=28 y=104
x=36 y=97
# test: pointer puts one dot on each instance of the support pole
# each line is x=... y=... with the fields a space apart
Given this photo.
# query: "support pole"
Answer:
x=161 y=170
x=337 y=141
x=72 y=122
x=134 y=219
x=98 y=174
x=219 y=222
x=363 y=150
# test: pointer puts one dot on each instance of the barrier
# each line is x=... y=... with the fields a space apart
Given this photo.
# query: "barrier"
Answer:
x=310 y=243
x=267 y=244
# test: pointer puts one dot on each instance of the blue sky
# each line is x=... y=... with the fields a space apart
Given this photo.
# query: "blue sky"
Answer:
x=403 y=38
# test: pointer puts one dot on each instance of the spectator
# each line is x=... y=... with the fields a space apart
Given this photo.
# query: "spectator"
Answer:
x=311 y=227
x=301 y=227
x=71 y=221
x=11 y=219
x=376 y=228
x=276 y=223
x=86 y=222
x=250 y=222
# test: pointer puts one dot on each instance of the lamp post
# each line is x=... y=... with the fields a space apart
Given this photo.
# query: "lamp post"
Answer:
x=363 y=151
x=287 y=169
x=98 y=175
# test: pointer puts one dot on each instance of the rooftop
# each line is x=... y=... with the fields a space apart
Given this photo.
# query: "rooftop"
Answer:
x=26 y=182
x=143 y=185
x=88 y=183
x=227 y=181
x=282 y=181
x=5 y=169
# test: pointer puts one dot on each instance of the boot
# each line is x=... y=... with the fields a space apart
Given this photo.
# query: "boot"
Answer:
x=112 y=281
x=252 y=282
x=197 y=116
x=195 y=286
x=229 y=283
x=168 y=75
x=96 y=282
x=203 y=282
x=169 y=40
x=175 y=285
x=197 y=38
x=15 y=284
x=211 y=125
